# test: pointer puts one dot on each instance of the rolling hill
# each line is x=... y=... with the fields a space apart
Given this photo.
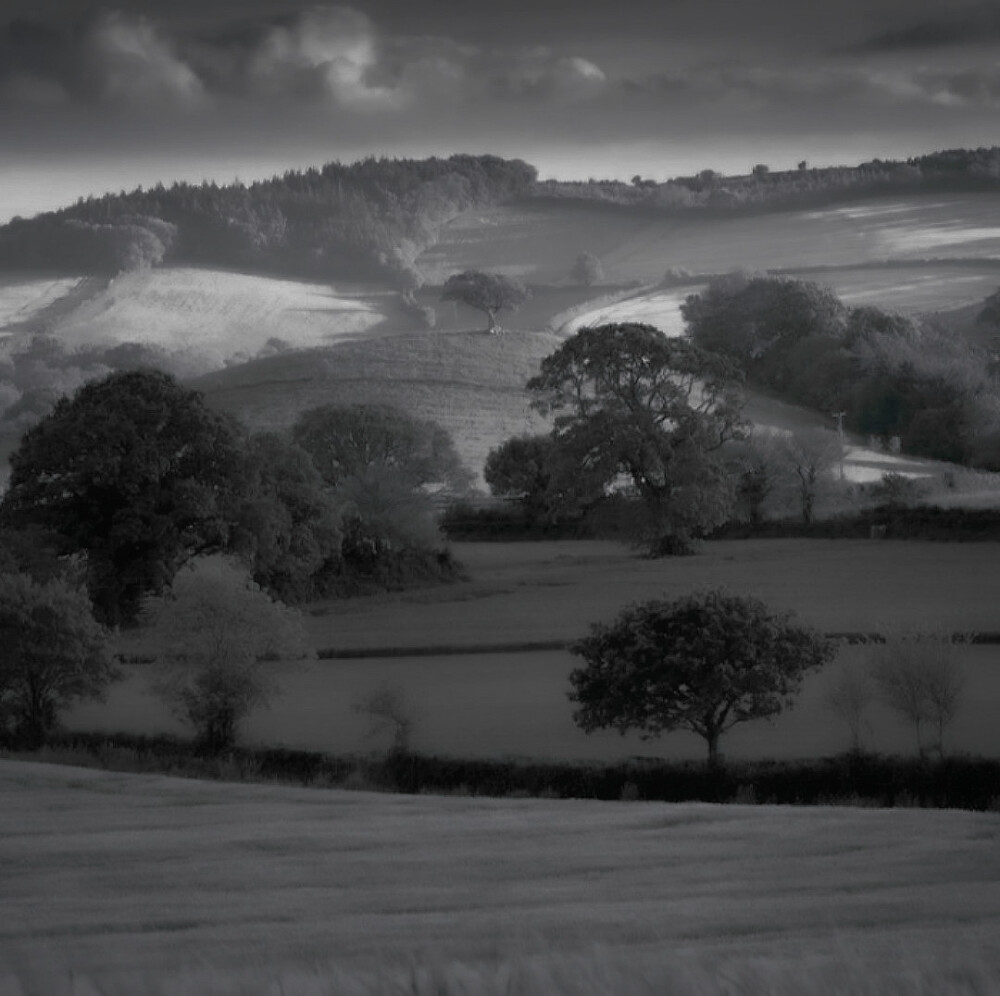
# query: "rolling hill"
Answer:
x=266 y=348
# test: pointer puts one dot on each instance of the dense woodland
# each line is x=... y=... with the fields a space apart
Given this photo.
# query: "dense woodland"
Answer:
x=371 y=219
x=890 y=375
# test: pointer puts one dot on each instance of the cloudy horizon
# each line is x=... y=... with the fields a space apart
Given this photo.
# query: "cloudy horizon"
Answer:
x=146 y=91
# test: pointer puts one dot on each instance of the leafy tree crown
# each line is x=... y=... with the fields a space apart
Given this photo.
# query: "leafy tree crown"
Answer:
x=703 y=662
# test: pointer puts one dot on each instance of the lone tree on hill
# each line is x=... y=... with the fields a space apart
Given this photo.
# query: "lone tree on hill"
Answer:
x=487 y=292
x=221 y=637
x=53 y=654
x=628 y=400
x=135 y=471
x=702 y=663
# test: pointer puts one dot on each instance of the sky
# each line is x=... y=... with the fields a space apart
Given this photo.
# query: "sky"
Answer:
x=107 y=96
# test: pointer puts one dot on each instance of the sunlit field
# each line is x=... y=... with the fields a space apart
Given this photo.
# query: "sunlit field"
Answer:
x=218 y=315
x=513 y=701
x=119 y=884
x=21 y=297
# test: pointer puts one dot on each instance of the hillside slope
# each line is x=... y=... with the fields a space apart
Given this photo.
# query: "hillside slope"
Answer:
x=540 y=240
x=469 y=382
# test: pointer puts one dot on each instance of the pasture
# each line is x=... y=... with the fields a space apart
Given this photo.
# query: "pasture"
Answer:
x=470 y=383
x=513 y=702
x=22 y=296
x=217 y=317
x=118 y=884
x=539 y=241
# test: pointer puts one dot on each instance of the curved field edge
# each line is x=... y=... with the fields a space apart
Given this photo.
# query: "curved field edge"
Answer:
x=114 y=876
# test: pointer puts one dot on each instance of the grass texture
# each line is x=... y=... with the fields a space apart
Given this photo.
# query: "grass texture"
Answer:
x=116 y=883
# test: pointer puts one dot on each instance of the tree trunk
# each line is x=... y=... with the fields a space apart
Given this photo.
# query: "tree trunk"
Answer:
x=494 y=328
x=714 y=759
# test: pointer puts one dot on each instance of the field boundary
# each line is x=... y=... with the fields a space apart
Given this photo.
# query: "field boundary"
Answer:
x=455 y=649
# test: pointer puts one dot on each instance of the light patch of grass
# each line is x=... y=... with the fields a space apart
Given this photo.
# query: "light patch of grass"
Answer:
x=22 y=296
x=127 y=883
x=218 y=315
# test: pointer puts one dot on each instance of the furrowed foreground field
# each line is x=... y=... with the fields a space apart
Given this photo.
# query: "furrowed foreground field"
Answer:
x=118 y=884
x=513 y=701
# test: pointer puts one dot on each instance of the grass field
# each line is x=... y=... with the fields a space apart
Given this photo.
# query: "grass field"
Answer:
x=23 y=296
x=218 y=315
x=128 y=881
x=469 y=382
x=514 y=703
x=540 y=241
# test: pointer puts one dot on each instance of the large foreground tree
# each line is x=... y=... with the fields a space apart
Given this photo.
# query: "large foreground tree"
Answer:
x=136 y=472
x=628 y=400
x=703 y=663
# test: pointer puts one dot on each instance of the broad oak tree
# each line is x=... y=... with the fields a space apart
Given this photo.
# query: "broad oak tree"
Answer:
x=629 y=400
x=54 y=653
x=490 y=293
x=703 y=663
x=135 y=471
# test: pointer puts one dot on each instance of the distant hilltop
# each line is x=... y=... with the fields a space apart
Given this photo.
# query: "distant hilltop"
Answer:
x=373 y=218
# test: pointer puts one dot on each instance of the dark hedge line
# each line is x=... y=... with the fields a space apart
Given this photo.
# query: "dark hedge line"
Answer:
x=930 y=522
x=960 y=782
x=505 y=524
x=948 y=525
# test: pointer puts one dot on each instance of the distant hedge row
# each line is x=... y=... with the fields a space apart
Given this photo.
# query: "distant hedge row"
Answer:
x=921 y=523
x=512 y=523
x=854 y=779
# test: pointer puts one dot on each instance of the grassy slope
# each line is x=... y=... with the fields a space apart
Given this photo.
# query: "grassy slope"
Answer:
x=112 y=873
x=218 y=314
x=540 y=241
x=469 y=382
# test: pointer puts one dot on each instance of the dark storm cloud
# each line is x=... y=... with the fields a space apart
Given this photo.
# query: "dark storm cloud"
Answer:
x=326 y=53
x=285 y=81
x=964 y=26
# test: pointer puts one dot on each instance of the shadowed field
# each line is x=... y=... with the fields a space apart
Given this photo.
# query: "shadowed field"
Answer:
x=132 y=880
x=513 y=702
